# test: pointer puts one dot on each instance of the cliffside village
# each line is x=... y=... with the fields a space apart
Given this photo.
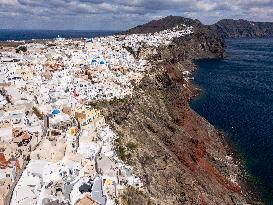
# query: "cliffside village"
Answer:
x=54 y=147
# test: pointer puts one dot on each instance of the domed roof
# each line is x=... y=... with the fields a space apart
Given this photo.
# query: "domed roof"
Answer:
x=56 y=112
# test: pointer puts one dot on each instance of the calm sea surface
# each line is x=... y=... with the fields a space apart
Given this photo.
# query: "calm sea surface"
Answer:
x=49 y=34
x=238 y=98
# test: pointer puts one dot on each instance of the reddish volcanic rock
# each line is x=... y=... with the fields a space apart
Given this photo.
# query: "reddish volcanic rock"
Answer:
x=191 y=121
x=198 y=149
x=210 y=169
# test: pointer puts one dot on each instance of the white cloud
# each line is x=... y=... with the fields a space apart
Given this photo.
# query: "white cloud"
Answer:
x=121 y=14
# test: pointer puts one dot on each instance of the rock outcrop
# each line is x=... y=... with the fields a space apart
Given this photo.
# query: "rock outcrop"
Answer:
x=229 y=28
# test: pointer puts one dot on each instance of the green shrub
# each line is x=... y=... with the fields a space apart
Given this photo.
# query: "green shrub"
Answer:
x=21 y=48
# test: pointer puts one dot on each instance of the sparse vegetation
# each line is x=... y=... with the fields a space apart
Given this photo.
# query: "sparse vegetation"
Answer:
x=21 y=48
x=133 y=196
x=131 y=146
x=121 y=152
x=124 y=152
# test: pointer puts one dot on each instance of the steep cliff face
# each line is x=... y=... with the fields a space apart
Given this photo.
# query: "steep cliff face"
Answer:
x=204 y=43
x=180 y=157
x=229 y=28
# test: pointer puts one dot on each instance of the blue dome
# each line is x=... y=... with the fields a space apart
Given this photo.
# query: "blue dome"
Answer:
x=94 y=61
x=56 y=112
x=102 y=62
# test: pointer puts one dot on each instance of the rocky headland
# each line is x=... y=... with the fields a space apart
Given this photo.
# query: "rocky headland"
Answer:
x=229 y=28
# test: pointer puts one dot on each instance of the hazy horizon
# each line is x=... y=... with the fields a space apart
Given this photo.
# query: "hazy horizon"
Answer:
x=41 y=29
x=97 y=30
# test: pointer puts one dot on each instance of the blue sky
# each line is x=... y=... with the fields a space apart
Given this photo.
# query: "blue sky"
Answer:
x=123 y=14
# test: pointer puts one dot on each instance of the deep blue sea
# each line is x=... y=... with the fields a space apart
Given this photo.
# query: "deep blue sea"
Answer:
x=49 y=34
x=237 y=98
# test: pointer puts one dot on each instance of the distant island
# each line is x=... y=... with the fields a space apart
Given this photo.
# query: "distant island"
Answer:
x=229 y=28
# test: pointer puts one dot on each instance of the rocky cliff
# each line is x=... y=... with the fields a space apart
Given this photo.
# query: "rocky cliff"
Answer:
x=180 y=157
x=229 y=28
